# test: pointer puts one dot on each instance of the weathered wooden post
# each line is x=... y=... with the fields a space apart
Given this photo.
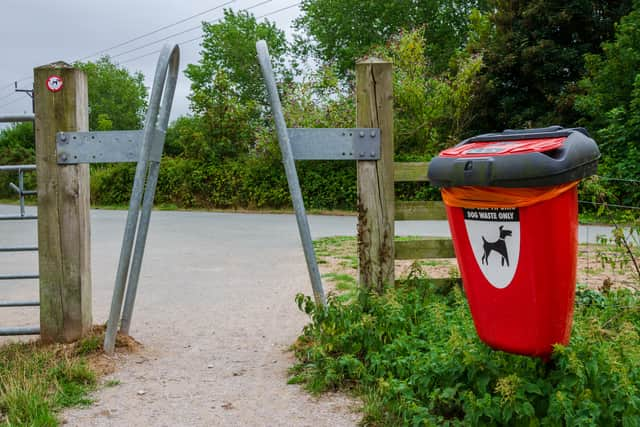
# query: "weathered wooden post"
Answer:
x=61 y=104
x=374 y=109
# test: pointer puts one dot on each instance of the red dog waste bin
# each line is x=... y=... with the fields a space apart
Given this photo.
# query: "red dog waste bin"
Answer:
x=511 y=201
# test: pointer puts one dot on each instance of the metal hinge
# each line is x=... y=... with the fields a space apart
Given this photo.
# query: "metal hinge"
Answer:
x=105 y=146
x=335 y=143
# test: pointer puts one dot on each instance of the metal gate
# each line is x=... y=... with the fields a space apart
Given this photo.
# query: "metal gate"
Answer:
x=142 y=146
x=7 y=220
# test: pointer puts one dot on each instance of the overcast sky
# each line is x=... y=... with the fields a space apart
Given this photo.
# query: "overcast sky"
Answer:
x=38 y=32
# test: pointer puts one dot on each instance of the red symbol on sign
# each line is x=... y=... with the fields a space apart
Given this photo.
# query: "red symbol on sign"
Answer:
x=54 y=83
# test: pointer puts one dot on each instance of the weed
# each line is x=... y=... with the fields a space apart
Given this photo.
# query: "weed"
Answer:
x=415 y=358
x=89 y=344
x=345 y=285
x=112 y=383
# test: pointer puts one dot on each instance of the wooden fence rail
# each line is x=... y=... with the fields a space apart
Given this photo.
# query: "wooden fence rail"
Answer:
x=428 y=247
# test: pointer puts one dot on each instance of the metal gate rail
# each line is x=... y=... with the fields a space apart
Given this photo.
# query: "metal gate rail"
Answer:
x=143 y=192
x=19 y=189
x=312 y=144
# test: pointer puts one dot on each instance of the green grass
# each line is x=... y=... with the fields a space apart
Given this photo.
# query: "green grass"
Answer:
x=37 y=381
x=345 y=285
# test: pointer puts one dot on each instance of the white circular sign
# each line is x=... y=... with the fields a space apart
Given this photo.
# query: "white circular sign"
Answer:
x=54 y=83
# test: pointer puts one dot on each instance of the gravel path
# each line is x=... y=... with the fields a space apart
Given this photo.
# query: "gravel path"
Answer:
x=215 y=313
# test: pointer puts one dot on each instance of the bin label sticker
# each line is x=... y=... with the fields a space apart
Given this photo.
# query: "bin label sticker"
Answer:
x=494 y=234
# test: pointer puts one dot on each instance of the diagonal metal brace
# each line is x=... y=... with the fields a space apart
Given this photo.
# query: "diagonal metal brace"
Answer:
x=105 y=146
x=335 y=143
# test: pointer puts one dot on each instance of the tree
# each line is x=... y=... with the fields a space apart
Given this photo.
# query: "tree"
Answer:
x=229 y=55
x=117 y=98
x=536 y=57
x=612 y=102
x=432 y=111
x=342 y=31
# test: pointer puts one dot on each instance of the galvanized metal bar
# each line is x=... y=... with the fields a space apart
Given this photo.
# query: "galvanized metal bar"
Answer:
x=19 y=303
x=169 y=57
x=17 y=217
x=21 y=190
x=335 y=143
x=21 y=330
x=15 y=118
x=136 y=263
x=150 y=191
x=9 y=168
x=290 y=170
x=19 y=249
x=14 y=188
x=102 y=147
x=19 y=276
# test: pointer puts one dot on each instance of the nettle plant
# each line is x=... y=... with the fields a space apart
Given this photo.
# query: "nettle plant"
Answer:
x=415 y=358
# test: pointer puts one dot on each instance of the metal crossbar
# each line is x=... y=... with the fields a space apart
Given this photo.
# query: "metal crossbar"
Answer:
x=21 y=330
x=16 y=118
x=19 y=276
x=17 y=217
x=19 y=249
x=19 y=303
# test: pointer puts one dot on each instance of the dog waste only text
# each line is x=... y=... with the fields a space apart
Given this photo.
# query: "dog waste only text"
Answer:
x=491 y=214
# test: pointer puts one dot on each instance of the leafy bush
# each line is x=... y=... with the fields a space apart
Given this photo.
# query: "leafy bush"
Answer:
x=17 y=147
x=232 y=184
x=432 y=110
x=414 y=355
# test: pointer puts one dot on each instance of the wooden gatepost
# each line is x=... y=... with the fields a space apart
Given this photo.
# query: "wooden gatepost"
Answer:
x=377 y=209
x=61 y=104
x=374 y=109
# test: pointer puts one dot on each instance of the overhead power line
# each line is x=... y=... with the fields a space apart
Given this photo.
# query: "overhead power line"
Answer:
x=183 y=32
x=126 y=61
x=13 y=92
x=151 y=43
x=124 y=43
x=10 y=102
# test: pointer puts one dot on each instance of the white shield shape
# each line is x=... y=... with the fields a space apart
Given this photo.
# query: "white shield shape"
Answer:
x=494 y=234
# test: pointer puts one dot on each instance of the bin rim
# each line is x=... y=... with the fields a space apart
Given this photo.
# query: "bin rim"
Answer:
x=574 y=157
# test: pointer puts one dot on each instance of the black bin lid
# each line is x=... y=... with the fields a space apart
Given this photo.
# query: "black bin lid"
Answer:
x=517 y=158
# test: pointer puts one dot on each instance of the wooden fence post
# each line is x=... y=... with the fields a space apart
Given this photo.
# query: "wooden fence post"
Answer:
x=374 y=109
x=61 y=104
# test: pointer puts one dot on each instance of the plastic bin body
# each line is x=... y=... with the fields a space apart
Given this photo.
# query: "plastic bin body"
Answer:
x=511 y=201
x=534 y=310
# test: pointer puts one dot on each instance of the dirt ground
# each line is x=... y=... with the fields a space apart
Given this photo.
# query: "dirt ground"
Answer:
x=338 y=257
x=215 y=314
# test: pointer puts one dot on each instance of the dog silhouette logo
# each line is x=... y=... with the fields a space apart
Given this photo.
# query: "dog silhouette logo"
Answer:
x=494 y=237
x=500 y=246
